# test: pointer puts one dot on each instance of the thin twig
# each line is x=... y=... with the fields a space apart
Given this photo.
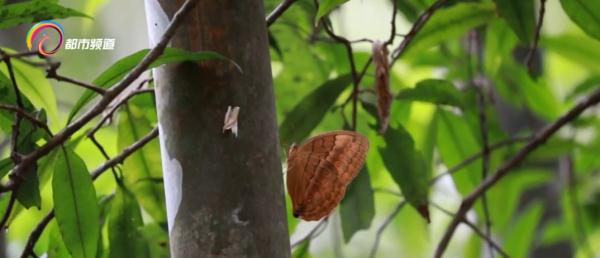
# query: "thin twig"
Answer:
x=383 y=226
x=8 y=210
x=37 y=232
x=423 y=18
x=355 y=77
x=540 y=138
x=483 y=127
x=116 y=106
x=390 y=40
x=313 y=233
x=25 y=115
x=478 y=155
x=52 y=73
x=278 y=11
x=536 y=37
x=475 y=229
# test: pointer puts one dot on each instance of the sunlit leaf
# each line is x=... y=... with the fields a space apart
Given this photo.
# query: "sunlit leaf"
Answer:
x=450 y=23
x=307 y=114
x=119 y=69
x=520 y=16
x=34 y=86
x=585 y=13
x=124 y=223
x=407 y=167
x=144 y=165
x=56 y=246
x=357 y=209
x=325 y=6
x=75 y=205
x=525 y=228
x=535 y=94
x=33 y=11
x=580 y=49
x=433 y=91
x=586 y=86
x=457 y=140
x=302 y=251
x=157 y=238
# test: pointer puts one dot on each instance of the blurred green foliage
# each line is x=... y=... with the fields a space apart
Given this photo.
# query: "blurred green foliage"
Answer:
x=435 y=127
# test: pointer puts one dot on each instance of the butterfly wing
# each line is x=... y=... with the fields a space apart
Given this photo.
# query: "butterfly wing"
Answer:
x=320 y=169
x=346 y=150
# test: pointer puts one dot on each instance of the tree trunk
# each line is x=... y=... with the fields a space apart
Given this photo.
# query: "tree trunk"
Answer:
x=224 y=193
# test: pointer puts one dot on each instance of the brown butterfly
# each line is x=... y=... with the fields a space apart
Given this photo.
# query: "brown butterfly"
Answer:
x=320 y=169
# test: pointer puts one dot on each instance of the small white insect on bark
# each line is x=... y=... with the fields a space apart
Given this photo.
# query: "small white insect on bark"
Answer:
x=231 y=120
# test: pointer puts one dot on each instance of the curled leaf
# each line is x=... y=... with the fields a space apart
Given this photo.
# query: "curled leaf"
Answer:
x=382 y=84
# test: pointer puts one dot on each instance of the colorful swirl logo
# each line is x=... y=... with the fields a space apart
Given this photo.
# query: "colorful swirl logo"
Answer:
x=40 y=27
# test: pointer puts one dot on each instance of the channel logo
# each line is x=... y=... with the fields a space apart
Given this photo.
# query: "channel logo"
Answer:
x=40 y=30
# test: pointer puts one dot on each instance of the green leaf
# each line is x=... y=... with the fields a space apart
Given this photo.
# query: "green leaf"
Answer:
x=33 y=11
x=75 y=205
x=357 y=209
x=158 y=239
x=34 y=86
x=135 y=121
x=407 y=167
x=302 y=251
x=586 y=86
x=536 y=94
x=434 y=91
x=580 y=49
x=56 y=246
x=124 y=223
x=119 y=69
x=525 y=228
x=307 y=114
x=326 y=6
x=28 y=193
x=5 y=166
x=451 y=22
x=585 y=13
x=520 y=16
x=457 y=140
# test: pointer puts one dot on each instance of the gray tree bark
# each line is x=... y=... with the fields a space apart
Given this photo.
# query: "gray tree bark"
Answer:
x=224 y=194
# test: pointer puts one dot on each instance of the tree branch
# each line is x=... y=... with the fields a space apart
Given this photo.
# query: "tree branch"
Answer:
x=51 y=73
x=475 y=229
x=111 y=93
x=413 y=31
x=355 y=77
x=536 y=37
x=278 y=11
x=383 y=226
x=540 y=138
x=313 y=232
x=37 y=232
